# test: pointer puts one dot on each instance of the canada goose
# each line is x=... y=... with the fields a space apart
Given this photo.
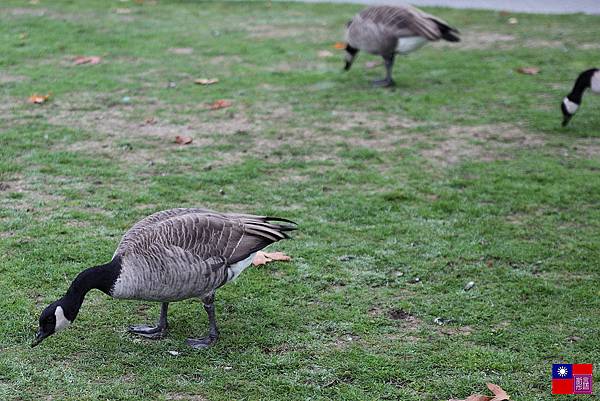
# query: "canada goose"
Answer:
x=387 y=30
x=171 y=256
x=587 y=79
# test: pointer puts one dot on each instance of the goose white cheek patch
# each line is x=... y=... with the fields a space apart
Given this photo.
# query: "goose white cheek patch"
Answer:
x=570 y=106
x=595 y=84
x=61 y=321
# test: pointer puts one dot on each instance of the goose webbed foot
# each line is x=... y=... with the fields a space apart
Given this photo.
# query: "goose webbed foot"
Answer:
x=151 y=332
x=154 y=332
x=213 y=331
x=202 y=343
x=383 y=83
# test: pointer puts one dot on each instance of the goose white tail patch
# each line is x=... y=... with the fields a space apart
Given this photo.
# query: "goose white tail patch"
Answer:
x=235 y=269
x=61 y=321
x=410 y=44
x=570 y=106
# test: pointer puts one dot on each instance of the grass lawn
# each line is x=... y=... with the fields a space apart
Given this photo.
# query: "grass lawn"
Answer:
x=461 y=173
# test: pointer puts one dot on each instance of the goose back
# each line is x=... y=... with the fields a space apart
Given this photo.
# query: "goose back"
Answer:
x=183 y=253
x=377 y=29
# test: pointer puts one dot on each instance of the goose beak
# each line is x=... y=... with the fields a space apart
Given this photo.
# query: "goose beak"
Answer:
x=39 y=337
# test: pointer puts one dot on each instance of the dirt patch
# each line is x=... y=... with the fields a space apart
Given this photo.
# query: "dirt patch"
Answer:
x=587 y=147
x=181 y=50
x=6 y=78
x=345 y=341
x=453 y=331
x=482 y=143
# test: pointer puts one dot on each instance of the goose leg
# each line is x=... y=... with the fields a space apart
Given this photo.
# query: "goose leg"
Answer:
x=213 y=332
x=387 y=81
x=157 y=332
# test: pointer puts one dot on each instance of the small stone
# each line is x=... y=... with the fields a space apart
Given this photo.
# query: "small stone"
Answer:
x=228 y=367
x=172 y=85
x=345 y=258
x=415 y=280
x=174 y=353
x=126 y=99
x=469 y=285
x=221 y=192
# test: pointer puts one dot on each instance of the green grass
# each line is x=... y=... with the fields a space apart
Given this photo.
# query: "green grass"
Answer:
x=461 y=173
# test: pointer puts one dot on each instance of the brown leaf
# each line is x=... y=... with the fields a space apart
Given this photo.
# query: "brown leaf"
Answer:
x=339 y=45
x=325 y=53
x=262 y=258
x=206 y=81
x=219 y=104
x=87 y=60
x=38 y=99
x=183 y=140
x=499 y=394
x=528 y=70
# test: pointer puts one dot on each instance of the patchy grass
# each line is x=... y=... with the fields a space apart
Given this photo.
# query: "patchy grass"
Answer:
x=462 y=173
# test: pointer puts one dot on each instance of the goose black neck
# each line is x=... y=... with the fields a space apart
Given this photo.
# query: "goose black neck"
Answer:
x=581 y=84
x=100 y=277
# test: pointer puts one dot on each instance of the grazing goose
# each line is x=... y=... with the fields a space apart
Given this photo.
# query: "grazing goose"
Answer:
x=587 y=79
x=171 y=256
x=387 y=30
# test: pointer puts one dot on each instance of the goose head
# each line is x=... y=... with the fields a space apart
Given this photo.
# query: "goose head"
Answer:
x=349 y=56
x=568 y=108
x=56 y=317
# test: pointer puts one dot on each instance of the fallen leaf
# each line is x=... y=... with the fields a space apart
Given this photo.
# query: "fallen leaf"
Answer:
x=206 y=81
x=373 y=64
x=325 y=53
x=262 y=258
x=219 y=104
x=38 y=99
x=87 y=60
x=183 y=140
x=339 y=45
x=528 y=70
x=499 y=393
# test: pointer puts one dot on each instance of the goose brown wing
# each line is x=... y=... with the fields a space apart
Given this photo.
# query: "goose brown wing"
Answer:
x=205 y=234
x=404 y=21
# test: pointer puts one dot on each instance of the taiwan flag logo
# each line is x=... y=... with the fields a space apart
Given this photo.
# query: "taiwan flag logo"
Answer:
x=572 y=378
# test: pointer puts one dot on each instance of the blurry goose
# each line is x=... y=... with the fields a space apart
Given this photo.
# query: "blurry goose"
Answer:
x=587 y=79
x=388 y=30
x=171 y=256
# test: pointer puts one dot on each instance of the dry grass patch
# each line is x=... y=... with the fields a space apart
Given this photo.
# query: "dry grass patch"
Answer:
x=483 y=143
